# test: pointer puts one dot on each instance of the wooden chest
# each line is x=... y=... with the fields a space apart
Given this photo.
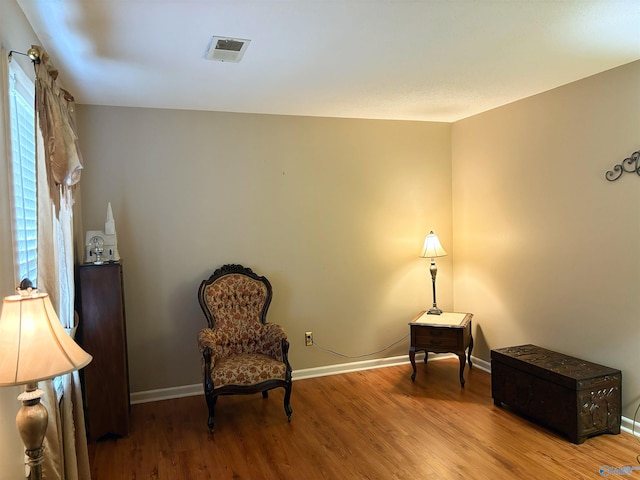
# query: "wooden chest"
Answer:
x=577 y=398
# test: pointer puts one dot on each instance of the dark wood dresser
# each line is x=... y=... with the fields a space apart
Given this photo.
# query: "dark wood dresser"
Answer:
x=577 y=398
x=102 y=333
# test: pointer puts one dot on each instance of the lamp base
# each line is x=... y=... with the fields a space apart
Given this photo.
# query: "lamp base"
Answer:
x=434 y=270
x=31 y=420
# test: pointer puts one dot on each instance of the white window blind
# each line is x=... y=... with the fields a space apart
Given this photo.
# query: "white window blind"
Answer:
x=21 y=97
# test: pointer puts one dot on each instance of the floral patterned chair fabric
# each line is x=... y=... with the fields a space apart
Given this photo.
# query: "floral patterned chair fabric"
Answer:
x=242 y=354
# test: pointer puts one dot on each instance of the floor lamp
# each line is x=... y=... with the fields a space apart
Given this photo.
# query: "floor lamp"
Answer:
x=34 y=347
x=432 y=249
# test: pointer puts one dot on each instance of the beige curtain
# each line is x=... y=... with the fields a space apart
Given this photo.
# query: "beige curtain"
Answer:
x=54 y=109
x=59 y=165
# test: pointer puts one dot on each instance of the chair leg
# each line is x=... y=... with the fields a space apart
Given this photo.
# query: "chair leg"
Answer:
x=287 y=401
x=211 y=404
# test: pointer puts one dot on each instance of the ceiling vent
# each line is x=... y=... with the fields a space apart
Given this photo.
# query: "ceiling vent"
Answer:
x=224 y=49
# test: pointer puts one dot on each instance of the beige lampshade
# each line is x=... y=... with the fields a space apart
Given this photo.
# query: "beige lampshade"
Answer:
x=432 y=247
x=33 y=344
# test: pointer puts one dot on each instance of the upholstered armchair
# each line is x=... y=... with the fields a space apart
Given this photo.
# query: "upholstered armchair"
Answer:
x=242 y=354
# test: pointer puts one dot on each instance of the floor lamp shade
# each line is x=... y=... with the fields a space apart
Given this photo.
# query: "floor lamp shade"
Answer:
x=33 y=344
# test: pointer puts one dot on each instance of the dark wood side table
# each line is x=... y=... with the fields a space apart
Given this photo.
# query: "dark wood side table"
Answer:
x=445 y=333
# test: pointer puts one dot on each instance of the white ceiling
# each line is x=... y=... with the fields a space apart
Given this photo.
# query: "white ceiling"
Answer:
x=430 y=60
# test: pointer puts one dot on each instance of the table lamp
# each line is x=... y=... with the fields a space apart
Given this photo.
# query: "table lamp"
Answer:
x=34 y=346
x=433 y=249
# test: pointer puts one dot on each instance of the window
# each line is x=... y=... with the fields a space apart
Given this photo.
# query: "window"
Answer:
x=23 y=167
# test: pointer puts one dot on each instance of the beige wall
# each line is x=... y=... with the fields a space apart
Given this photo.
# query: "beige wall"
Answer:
x=332 y=211
x=15 y=34
x=546 y=248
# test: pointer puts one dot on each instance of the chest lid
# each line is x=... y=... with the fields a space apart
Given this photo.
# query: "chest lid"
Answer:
x=555 y=367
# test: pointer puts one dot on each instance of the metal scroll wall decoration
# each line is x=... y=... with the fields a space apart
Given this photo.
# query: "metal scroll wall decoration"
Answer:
x=628 y=165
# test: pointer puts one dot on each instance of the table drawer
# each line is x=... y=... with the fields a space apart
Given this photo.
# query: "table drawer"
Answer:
x=435 y=337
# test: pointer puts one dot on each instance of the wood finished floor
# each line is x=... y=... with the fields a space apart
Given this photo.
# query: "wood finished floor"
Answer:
x=374 y=424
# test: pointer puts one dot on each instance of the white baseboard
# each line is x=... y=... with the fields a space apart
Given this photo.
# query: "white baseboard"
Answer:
x=166 y=393
x=627 y=426
x=197 y=389
x=351 y=367
x=481 y=364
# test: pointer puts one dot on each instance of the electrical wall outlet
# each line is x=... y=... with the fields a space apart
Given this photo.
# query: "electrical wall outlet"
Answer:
x=308 y=339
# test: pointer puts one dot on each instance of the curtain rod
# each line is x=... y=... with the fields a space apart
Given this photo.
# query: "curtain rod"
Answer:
x=32 y=53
